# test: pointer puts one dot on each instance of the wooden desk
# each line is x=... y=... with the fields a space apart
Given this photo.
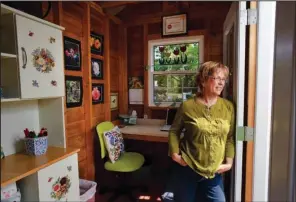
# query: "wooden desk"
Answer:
x=146 y=130
x=20 y=165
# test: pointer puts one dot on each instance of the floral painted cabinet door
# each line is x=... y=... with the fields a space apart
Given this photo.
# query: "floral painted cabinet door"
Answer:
x=60 y=181
x=40 y=53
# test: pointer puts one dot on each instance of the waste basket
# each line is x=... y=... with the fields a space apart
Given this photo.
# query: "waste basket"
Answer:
x=87 y=190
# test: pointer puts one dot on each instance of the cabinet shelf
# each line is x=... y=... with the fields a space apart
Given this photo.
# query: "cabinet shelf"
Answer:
x=10 y=99
x=7 y=55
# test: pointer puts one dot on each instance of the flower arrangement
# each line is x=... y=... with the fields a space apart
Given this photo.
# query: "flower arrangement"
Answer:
x=32 y=134
x=36 y=144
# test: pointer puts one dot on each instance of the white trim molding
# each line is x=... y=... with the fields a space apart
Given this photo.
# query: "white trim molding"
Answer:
x=263 y=103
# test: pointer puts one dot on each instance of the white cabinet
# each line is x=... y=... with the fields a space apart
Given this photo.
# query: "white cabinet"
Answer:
x=40 y=56
x=57 y=182
x=60 y=181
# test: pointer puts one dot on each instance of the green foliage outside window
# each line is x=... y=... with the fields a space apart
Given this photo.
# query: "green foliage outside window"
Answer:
x=175 y=67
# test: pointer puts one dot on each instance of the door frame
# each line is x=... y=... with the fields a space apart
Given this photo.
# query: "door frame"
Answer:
x=264 y=99
x=232 y=20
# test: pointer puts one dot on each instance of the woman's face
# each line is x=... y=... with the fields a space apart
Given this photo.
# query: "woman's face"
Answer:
x=215 y=83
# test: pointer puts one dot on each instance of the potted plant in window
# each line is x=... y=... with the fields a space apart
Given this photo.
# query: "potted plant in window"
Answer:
x=36 y=144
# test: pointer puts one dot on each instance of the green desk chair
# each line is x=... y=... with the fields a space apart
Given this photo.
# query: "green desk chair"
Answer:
x=128 y=162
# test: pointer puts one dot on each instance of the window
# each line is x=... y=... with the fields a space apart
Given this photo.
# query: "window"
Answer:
x=173 y=65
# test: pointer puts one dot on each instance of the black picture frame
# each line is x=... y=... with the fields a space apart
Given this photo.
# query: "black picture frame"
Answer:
x=97 y=50
x=94 y=93
x=74 y=91
x=72 y=54
x=97 y=69
x=163 y=24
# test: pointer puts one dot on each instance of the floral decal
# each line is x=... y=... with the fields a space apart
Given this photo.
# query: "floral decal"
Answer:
x=60 y=188
x=43 y=60
x=35 y=83
x=54 y=83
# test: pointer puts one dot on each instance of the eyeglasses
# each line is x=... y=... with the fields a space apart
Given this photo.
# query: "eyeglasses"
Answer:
x=219 y=79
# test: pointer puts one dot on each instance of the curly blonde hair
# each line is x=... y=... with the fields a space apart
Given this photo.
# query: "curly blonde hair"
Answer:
x=208 y=69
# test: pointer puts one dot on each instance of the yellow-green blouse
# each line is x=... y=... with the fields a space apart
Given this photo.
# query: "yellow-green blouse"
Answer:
x=208 y=136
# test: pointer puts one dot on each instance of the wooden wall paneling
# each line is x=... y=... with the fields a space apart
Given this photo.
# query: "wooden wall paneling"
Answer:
x=135 y=58
x=75 y=128
x=114 y=64
x=97 y=25
x=123 y=72
x=251 y=106
x=76 y=122
x=107 y=69
x=57 y=9
x=87 y=88
x=114 y=70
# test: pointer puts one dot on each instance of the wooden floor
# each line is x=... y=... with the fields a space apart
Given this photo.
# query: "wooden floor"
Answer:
x=155 y=183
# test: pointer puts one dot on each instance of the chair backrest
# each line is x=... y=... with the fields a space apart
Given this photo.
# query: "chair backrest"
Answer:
x=101 y=128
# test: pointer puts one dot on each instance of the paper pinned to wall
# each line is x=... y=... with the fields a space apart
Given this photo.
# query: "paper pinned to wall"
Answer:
x=136 y=90
x=136 y=96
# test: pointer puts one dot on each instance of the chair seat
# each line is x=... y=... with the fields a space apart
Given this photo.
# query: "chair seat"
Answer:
x=127 y=162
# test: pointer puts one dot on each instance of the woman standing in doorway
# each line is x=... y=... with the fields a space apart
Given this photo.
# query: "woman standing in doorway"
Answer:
x=207 y=148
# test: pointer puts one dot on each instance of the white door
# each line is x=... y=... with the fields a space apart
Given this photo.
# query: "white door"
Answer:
x=40 y=53
x=234 y=37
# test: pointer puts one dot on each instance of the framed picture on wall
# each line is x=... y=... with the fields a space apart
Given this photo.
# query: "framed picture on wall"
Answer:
x=97 y=93
x=114 y=101
x=97 y=67
x=72 y=54
x=74 y=91
x=97 y=43
x=174 y=25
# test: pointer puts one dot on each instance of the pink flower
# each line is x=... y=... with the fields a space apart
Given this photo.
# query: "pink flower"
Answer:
x=95 y=93
x=56 y=187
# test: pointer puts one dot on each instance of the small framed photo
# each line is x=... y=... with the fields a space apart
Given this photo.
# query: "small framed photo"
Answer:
x=97 y=43
x=97 y=68
x=72 y=54
x=174 y=25
x=74 y=91
x=97 y=93
x=114 y=101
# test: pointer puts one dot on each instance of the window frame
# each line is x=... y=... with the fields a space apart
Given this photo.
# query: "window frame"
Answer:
x=178 y=40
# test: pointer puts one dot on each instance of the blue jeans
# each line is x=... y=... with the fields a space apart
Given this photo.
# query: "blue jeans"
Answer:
x=185 y=185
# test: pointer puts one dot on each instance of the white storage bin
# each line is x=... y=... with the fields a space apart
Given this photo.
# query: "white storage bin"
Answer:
x=16 y=197
x=8 y=191
x=87 y=190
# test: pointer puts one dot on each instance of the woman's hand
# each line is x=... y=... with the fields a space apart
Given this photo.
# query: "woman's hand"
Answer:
x=178 y=158
x=223 y=168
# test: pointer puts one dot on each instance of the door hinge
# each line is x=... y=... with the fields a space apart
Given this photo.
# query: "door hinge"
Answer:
x=245 y=133
x=248 y=17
